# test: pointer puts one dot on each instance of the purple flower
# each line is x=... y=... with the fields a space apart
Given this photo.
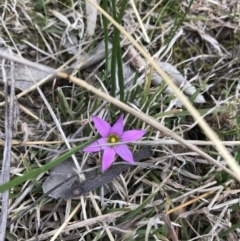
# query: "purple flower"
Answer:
x=113 y=135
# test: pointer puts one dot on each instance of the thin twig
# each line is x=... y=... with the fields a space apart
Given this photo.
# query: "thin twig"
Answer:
x=5 y=176
x=140 y=22
x=26 y=62
x=140 y=143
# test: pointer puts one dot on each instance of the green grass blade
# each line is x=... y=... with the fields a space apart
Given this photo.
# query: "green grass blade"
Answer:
x=120 y=74
x=105 y=30
x=18 y=180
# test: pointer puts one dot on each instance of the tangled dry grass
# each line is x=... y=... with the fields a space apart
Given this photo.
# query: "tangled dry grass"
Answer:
x=180 y=193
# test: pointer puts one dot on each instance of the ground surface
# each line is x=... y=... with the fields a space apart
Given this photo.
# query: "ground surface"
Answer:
x=179 y=193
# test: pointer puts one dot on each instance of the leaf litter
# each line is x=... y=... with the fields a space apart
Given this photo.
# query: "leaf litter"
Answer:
x=208 y=35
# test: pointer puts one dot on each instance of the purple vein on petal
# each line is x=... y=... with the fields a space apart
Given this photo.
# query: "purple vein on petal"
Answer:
x=108 y=158
x=117 y=128
x=102 y=126
x=132 y=135
x=96 y=145
x=124 y=152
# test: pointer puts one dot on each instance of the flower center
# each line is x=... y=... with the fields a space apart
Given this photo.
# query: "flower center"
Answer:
x=113 y=138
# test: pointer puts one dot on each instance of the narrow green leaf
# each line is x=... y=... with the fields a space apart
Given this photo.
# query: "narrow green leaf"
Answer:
x=18 y=180
x=120 y=74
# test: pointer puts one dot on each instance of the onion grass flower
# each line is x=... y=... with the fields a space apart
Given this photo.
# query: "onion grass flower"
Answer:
x=112 y=135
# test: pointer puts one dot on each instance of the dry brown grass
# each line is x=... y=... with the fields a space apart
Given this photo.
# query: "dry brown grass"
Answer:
x=185 y=191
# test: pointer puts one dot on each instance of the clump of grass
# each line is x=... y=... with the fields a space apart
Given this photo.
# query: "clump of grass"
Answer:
x=177 y=194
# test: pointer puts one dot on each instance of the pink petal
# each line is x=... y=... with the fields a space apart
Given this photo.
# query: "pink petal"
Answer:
x=102 y=126
x=124 y=152
x=117 y=128
x=96 y=145
x=108 y=158
x=132 y=135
